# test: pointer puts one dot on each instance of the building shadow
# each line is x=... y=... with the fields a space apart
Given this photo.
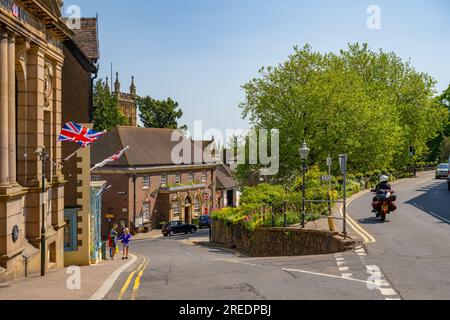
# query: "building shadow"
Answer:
x=434 y=201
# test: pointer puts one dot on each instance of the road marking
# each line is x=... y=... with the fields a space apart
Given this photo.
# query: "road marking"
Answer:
x=326 y=275
x=367 y=237
x=130 y=277
x=137 y=282
x=101 y=293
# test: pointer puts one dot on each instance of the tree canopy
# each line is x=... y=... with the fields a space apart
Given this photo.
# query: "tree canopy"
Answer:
x=370 y=105
x=160 y=113
x=107 y=114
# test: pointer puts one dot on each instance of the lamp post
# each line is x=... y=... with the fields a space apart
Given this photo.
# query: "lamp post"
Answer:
x=43 y=157
x=304 y=154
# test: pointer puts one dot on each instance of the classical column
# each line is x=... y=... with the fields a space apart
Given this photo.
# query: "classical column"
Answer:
x=12 y=108
x=4 y=155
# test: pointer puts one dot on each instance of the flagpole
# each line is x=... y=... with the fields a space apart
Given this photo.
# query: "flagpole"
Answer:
x=72 y=155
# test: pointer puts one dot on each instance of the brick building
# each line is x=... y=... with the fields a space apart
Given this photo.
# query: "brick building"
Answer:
x=147 y=186
x=31 y=61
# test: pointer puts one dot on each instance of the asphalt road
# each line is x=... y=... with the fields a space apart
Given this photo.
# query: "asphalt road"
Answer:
x=413 y=247
x=409 y=260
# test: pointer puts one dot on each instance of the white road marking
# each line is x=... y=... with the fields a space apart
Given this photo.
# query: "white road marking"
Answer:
x=324 y=275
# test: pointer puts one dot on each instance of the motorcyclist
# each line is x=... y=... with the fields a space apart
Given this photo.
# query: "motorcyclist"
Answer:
x=382 y=186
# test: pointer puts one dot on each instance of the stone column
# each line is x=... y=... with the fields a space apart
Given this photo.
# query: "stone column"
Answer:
x=12 y=108
x=4 y=140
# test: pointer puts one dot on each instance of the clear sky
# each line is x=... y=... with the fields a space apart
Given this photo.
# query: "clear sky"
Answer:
x=200 y=52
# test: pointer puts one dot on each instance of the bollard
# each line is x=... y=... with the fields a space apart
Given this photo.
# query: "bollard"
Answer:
x=331 y=224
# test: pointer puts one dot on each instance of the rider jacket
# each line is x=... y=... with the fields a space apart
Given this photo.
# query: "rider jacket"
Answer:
x=383 y=186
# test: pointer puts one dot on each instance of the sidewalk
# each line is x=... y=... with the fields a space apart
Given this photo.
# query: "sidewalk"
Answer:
x=54 y=285
x=154 y=234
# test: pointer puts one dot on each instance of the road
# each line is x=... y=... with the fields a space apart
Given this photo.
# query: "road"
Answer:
x=410 y=259
x=413 y=247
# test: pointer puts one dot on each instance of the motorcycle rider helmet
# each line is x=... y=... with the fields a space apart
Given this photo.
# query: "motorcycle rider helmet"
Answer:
x=384 y=178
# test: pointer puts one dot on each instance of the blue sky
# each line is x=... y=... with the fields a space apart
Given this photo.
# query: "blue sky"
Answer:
x=200 y=52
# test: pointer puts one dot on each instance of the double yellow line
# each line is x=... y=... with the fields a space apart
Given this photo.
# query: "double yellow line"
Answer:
x=137 y=282
x=367 y=237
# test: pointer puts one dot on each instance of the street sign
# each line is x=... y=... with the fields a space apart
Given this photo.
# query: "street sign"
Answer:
x=326 y=178
x=343 y=163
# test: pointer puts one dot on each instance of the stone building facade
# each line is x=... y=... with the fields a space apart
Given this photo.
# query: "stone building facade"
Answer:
x=126 y=101
x=31 y=61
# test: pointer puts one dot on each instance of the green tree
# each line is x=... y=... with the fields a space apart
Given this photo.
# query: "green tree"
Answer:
x=160 y=113
x=107 y=114
x=436 y=145
x=369 y=105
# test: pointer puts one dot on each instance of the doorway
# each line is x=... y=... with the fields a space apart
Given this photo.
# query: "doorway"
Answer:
x=187 y=210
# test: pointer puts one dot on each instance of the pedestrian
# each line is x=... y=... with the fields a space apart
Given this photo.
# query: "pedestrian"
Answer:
x=111 y=247
x=113 y=236
x=125 y=238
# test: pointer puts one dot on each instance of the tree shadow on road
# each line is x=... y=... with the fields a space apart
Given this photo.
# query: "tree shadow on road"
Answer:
x=434 y=200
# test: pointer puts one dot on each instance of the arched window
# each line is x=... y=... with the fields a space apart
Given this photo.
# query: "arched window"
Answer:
x=197 y=207
x=176 y=210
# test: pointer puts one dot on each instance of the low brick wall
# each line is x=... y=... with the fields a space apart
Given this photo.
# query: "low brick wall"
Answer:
x=279 y=242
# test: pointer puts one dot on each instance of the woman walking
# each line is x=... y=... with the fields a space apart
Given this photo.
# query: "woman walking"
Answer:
x=125 y=238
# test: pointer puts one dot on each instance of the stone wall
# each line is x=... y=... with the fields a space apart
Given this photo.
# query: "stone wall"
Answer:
x=279 y=242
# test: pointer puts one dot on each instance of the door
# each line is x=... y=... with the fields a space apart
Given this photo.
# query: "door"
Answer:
x=187 y=214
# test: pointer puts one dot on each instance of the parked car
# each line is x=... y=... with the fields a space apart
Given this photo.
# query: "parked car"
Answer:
x=204 y=222
x=176 y=227
x=442 y=171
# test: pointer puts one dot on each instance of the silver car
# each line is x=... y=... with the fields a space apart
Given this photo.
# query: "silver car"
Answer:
x=442 y=171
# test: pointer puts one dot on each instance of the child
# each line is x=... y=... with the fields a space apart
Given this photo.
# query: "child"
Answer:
x=125 y=238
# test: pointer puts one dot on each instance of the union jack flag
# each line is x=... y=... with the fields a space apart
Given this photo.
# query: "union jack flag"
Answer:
x=74 y=132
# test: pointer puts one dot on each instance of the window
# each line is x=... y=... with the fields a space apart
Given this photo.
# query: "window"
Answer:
x=176 y=210
x=71 y=230
x=197 y=208
x=146 y=212
x=163 y=179
x=204 y=177
x=146 y=182
x=191 y=177
x=178 y=178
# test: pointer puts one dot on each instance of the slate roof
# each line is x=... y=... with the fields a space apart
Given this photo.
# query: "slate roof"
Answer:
x=149 y=147
x=225 y=179
x=87 y=38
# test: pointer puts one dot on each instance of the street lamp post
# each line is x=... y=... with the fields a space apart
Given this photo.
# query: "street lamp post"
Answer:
x=43 y=157
x=304 y=154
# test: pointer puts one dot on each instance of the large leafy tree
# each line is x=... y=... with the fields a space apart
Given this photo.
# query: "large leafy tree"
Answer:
x=107 y=114
x=160 y=113
x=440 y=145
x=369 y=105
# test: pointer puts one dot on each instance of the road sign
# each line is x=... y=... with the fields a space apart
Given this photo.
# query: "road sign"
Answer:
x=326 y=178
x=343 y=163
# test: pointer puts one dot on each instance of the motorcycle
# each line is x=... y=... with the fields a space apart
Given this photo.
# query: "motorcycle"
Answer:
x=384 y=203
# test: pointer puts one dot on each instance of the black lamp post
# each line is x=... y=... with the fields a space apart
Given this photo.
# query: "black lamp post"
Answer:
x=304 y=154
x=43 y=157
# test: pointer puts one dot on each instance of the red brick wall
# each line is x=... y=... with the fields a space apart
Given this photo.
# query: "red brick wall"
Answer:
x=113 y=203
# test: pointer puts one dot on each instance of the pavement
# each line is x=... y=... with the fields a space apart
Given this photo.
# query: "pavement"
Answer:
x=54 y=286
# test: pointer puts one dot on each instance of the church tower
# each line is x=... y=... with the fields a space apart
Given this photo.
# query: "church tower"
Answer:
x=127 y=101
